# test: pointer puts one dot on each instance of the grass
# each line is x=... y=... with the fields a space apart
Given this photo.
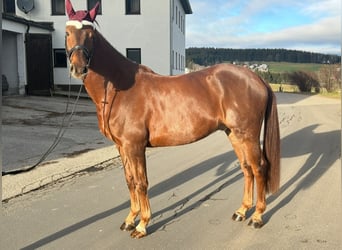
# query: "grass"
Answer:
x=285 y=67
x=282 y=67
x=335 y=95
x=288 y=88
x=285 y=87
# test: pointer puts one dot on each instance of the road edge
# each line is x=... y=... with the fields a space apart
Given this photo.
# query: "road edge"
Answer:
x=51 y=171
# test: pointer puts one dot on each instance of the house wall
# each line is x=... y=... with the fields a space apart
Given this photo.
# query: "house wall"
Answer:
x=10 y=61
x=14 y=56
x=154 y=31
x=149 y=31
x=178 y=38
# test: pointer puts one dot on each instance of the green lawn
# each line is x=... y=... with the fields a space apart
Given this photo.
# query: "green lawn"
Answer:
x=281 y=67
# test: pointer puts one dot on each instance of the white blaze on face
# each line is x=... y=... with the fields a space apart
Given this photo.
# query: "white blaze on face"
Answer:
x=79 y=24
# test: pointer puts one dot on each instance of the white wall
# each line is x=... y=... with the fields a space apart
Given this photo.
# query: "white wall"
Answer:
x=9 y=61
x=150 y=31
x=42 y=12
x=14 y=56
x=178 y=38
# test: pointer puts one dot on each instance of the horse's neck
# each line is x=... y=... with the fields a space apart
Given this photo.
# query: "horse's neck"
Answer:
x=108 y=66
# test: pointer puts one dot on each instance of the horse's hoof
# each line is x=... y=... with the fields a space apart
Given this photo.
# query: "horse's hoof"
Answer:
x=137 y=235
x=127 y=227
x=238 y=217
x=255 y=224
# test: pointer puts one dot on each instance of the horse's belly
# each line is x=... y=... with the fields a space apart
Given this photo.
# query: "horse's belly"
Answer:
x=179 y=133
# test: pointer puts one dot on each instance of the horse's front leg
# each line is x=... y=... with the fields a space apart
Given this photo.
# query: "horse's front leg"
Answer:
x=134 y=161
x=129 y=223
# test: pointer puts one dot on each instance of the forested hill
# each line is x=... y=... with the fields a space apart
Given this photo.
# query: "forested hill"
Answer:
x=210 y=56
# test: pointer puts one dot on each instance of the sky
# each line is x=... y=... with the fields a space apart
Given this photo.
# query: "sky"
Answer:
x=305 y=25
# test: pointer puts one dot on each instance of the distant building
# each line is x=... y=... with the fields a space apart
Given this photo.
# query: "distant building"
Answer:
x=150 y=32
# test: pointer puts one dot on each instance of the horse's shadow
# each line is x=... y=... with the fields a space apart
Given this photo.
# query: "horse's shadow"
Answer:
x=318 y=162
x=221 y=162
x=323 y=151
x=224 y=170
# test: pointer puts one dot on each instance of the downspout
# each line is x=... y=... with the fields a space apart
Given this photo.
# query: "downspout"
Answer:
x=28 y=28
x=171 y=35
x=25 y=38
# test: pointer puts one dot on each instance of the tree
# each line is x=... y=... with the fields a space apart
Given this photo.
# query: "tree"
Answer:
x=330 y=77
x=304 y=80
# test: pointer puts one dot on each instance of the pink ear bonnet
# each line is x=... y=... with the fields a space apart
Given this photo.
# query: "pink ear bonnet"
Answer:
x=81 y=17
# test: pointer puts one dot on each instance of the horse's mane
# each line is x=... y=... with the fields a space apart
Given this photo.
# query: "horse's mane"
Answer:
x=128 y=63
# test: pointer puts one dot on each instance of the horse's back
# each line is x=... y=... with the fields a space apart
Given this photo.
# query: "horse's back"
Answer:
x=182 y=109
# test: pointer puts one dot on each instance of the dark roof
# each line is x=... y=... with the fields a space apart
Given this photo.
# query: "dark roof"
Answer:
x=17 y=19
x=187 y=7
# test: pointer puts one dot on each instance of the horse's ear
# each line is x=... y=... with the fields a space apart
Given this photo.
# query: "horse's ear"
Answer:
x=93 y=11
x=69 y=9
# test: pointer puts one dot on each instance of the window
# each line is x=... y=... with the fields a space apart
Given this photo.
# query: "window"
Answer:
x=173 y=59
x=179 y=61
x=176 y=15
x=91 y=4
x=176 y=66
x=58 y=7
x=182 y=24
x=59 y=58
x=9 y=6
x=132 y=7
x=134 y=55
x=179 y=21
x=173 y=10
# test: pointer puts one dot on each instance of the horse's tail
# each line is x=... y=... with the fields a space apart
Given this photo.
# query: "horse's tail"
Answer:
x=271 y=145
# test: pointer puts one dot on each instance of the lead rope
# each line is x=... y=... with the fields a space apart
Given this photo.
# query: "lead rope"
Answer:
x=62 y=128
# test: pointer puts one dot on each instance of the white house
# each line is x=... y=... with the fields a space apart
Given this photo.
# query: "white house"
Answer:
x=148 y=31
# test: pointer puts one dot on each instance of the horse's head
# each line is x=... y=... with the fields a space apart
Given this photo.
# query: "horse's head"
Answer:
x=79 y=39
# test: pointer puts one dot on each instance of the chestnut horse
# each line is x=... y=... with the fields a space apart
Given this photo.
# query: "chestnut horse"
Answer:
x=137 y=108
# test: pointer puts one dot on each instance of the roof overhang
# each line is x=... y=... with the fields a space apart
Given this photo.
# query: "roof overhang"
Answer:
x=43 y=25
x=187 y=7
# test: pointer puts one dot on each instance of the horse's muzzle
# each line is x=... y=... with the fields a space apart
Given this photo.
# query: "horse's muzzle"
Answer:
x=79 y=72
x=79 y=68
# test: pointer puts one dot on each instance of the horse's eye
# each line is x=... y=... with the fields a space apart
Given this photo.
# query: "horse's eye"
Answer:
x=66 y=33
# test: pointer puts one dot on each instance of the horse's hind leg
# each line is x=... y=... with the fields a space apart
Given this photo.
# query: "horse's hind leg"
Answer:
x=257 y=163
x=247 y=201
x=249 y=153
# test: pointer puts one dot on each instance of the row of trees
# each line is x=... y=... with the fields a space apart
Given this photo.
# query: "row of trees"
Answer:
x=327 y=78
x=211 y=56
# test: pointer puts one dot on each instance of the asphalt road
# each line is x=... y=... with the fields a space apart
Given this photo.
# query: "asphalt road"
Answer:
x=194 y=190
x=30 y=124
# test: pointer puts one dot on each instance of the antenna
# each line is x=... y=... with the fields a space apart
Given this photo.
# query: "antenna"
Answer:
x=25 y=5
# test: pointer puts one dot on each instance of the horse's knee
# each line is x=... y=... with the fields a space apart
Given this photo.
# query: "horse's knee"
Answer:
x=141 y=188
x=259 y=171
x=247 y=170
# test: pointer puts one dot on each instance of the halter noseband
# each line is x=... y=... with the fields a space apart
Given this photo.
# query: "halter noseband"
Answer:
x=85 y=51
